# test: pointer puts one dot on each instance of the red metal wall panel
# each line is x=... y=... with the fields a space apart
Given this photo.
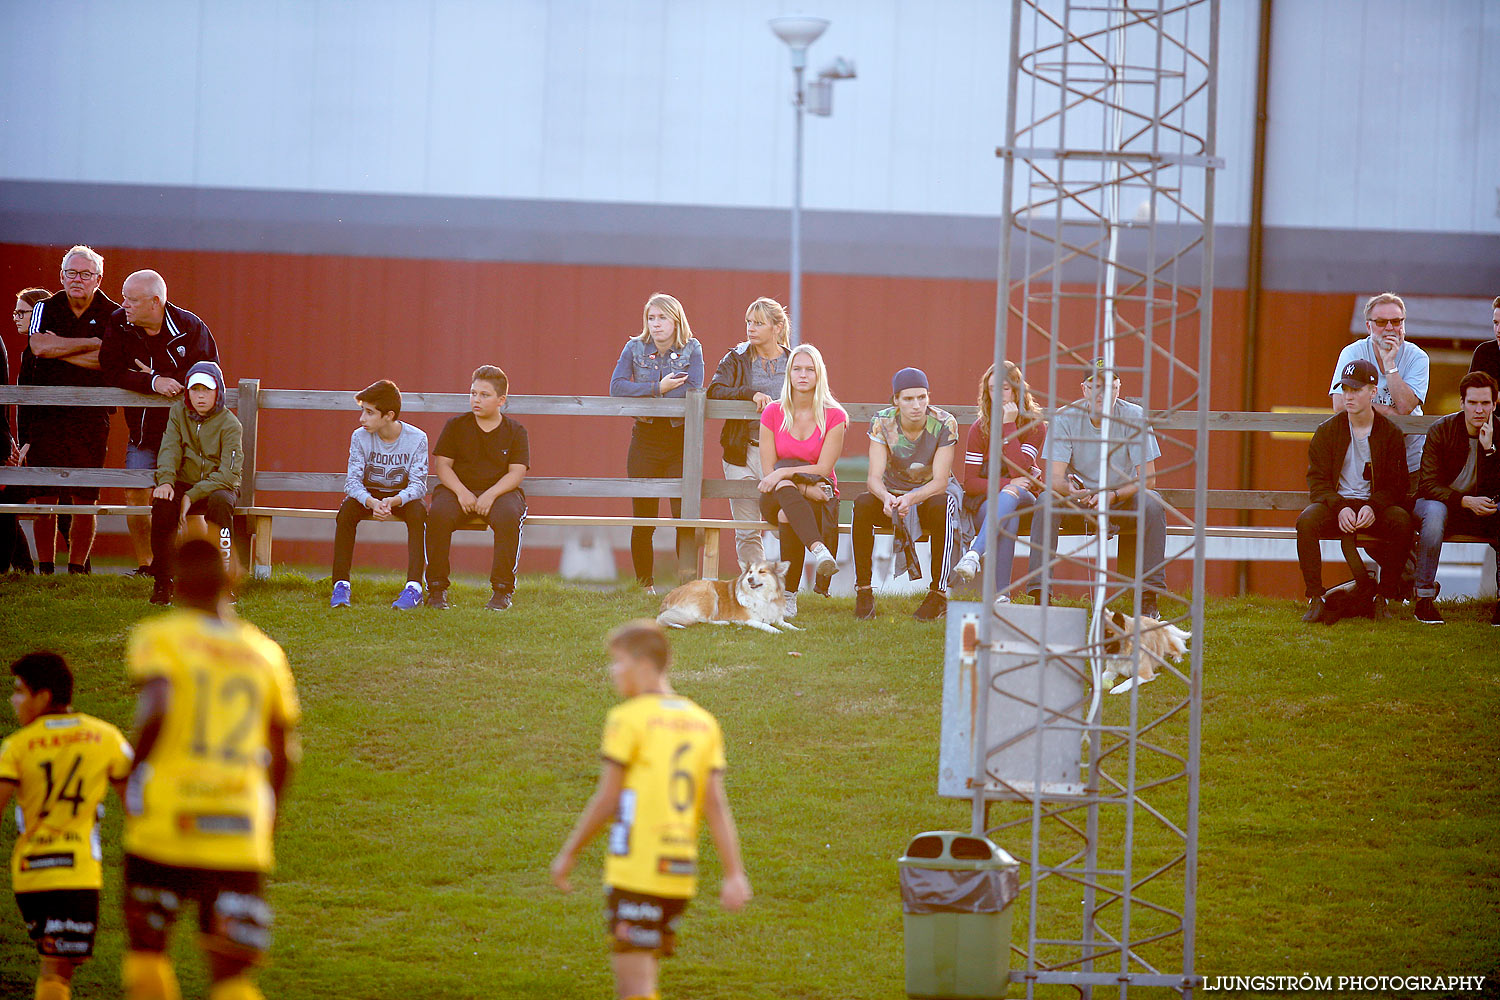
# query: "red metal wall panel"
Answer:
x=323 y=322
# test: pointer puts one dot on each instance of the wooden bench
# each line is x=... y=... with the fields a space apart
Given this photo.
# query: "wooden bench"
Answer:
x=250 y=401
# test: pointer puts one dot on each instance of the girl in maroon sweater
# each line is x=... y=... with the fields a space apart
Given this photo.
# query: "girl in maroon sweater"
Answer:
x=1023 y=431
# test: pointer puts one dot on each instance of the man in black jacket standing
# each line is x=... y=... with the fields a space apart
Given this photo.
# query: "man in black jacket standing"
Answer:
x=149 y=344
x=1357 y=482
x=63 y=350
x=1459 y=482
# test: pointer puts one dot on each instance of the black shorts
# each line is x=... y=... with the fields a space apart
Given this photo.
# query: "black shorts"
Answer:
x=232 y=911
x=61 y=921
x=635 y=921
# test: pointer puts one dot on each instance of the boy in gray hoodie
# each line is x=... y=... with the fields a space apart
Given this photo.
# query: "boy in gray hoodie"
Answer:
x=197 y=470
x=387 y=480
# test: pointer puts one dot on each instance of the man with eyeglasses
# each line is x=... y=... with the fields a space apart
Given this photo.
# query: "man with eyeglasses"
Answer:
x=1402 y=369
x=63 y=350
x=1357 y=483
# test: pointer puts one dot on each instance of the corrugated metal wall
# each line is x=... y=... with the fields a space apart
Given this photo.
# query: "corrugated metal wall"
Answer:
x=1381 y=110
x=330 y=323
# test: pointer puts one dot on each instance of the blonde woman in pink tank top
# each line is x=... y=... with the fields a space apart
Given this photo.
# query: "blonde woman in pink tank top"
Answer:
x=802 y=436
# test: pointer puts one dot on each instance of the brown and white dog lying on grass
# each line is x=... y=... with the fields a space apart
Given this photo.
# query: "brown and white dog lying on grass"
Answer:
x=757 y=597
x=1160 y=642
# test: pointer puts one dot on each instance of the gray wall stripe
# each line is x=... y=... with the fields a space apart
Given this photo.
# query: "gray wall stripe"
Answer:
x=717 y=238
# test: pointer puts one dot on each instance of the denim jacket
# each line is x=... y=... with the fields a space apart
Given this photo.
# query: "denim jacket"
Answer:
x=640 y=370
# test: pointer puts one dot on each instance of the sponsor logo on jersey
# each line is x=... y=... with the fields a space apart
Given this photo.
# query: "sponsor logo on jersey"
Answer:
x=637 y=909
x=55 y=926
x=214 y=823
x=40 y=862
x=53 y=946
x=676 y=866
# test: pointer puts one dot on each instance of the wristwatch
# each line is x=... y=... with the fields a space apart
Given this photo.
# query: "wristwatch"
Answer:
x=1390 y=371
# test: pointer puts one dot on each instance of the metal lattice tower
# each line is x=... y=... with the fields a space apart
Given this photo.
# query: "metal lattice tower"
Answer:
x=1106 y=253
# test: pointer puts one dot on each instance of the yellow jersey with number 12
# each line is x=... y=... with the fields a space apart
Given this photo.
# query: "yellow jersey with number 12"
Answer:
x=62 y=766
x=202 y=797
x=668 y=747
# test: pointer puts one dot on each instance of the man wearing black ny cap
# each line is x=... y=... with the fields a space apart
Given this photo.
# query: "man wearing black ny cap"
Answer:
x=1357 y=482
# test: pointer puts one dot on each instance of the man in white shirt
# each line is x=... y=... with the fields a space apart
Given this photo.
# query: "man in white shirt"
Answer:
x=1401 y=369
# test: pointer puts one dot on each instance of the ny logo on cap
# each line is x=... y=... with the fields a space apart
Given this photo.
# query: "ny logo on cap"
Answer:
x=1349 y=370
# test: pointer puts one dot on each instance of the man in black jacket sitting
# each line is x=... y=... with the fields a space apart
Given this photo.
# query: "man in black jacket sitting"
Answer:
x=1459 y=482
x=1357 y=482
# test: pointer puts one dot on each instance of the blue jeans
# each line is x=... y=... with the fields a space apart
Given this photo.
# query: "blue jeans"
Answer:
x=1435 y=521
x=1432 y=516
x=1007 y=506
x=1044 y=544
x=139 y=458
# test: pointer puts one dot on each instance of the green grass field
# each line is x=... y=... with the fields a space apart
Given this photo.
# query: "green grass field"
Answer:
x=1348 y=823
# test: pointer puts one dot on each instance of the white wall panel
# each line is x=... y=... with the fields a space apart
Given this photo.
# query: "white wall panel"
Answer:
x=687 y=102
x=1377 y=115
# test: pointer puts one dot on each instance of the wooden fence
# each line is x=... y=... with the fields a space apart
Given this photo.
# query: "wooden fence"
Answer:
x=250 y=402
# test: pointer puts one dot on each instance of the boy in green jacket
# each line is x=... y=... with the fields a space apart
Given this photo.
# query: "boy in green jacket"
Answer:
x=197 y=471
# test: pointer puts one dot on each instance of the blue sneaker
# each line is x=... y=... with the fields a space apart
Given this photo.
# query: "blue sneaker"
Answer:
x=410 y=597
x=340 y=598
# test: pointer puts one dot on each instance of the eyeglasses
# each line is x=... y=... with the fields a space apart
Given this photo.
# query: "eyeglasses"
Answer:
x=79 y=275
x=21 y=312
x=1390 y=323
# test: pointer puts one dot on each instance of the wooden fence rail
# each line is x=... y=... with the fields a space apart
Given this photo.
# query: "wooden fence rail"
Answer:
x=249 y=399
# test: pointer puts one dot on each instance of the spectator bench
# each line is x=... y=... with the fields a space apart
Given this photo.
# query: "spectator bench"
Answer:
x=260 y=518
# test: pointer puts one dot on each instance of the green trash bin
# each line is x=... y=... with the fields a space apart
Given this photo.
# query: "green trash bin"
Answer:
x=956 y=896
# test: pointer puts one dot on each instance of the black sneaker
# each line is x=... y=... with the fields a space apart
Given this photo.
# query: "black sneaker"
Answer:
x=1380 y=610
x=1426 y=612
x=162 y=592
x=1495 y=615
x=935 y=606
x=864 y=603
x=1314 y=611
x=141 y=573
x=437 y=597
x=497 y=602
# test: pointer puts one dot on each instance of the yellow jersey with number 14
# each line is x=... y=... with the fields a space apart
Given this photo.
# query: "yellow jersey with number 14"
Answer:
x=668 y=747
x=202 y=796
x=62 y=766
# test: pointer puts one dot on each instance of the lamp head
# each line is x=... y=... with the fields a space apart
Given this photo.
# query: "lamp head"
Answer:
x=799 y=33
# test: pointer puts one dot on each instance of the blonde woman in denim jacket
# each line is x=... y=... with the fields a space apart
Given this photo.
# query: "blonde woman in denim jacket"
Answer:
x=663 y=360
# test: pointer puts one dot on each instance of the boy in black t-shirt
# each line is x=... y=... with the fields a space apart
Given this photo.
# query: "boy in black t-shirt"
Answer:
x=480 y=461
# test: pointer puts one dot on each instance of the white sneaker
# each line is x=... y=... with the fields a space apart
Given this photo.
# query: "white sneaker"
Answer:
x=967 y=568
x=791 y=606
x=825 y=565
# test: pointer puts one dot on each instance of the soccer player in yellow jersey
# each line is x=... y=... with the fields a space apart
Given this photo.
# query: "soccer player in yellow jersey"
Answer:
x=59 y=765
x=663 y=770
x=214 y=748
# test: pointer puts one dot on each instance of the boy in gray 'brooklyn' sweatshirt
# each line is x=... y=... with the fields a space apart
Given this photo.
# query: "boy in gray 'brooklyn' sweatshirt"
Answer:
x=387 y=480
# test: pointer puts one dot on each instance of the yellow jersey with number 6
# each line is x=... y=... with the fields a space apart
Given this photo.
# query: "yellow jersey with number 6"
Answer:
x=202 y=797
x=62 y=766
x=668 y=747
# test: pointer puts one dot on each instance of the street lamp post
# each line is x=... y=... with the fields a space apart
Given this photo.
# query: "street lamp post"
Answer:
x=798 y=33
x=817 y=98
